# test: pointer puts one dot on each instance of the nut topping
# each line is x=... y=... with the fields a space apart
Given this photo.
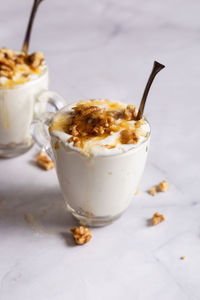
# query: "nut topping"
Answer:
x=87 y=121
x=12 y=63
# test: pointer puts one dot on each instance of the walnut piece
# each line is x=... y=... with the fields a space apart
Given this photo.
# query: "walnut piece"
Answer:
x=163 y=186
x=157 y=218
x=153 y=191
x=137 y=192
x=128 y=136
x=35 y=59
x=82 y=234
x=183 y=257
x=130 y=112
x=44 y=161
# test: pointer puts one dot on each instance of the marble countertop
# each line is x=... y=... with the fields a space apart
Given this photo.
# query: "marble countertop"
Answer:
x=106 y=49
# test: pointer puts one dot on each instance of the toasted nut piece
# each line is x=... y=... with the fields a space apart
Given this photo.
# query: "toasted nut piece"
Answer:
x=35 y=59
x=163 y=186
x=44 y=161
x=139 y=123
x=157 y=218
x=153 y=191
x=82 y=234
x=7 y=62
x=130 y=112
x=8 y=53
x=6 y=74
x=183 y=257
x=127 y=136
x=20 y=59
x=137 y=192
x=73 y=129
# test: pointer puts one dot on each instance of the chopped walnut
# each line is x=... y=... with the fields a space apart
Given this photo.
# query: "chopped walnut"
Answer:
x=139 y=123
x=183 y=257
x=128 y=137
x=163 y=186
x=35 y=59
x=130 y=112
x=75 y=140
x=82 y=234
x=137 y=192
x=44 y=161
x=157 y=218
x=153 y=191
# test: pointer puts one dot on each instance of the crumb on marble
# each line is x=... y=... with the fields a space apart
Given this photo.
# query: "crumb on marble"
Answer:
x=153 y=191
x=137 y=192
x=44 y=161
x=82 y=234
x=157 y=218
x=183 y=257
x=163 y=186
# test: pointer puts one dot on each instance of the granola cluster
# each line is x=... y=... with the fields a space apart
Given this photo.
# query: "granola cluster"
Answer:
x=82 y=234
x=12 y=63
x=88 y=121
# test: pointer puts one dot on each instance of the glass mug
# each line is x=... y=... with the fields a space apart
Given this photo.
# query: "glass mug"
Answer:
x=18 y=106
x=96 y=190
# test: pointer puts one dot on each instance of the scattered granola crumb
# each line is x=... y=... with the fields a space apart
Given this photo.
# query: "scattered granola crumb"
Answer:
x=157 y=218
x=163 y=186
x=82 y=234
x=44 y=161
x=183 y=257
x=137 y=192
x=153 y=191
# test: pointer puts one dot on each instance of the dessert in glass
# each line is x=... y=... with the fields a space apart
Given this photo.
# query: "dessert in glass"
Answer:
x=23 y=93
x=22 y=78
x=100 y=150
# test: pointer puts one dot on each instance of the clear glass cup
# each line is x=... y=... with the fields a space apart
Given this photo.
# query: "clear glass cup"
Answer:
x=96 y=190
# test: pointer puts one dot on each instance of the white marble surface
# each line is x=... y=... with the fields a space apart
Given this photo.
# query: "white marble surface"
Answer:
x=106 y=49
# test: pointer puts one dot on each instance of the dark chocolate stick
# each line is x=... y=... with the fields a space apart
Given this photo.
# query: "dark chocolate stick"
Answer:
x=30 y=25
x=157 y=67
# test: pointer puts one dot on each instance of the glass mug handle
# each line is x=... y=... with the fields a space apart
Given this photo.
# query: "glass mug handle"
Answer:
x=47 y=103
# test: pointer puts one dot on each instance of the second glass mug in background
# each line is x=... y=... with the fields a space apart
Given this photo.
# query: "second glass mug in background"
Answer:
x=18 y=106
x=96 y=190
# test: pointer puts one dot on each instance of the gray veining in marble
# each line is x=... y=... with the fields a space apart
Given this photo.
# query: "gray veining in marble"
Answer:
x=106 y=49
